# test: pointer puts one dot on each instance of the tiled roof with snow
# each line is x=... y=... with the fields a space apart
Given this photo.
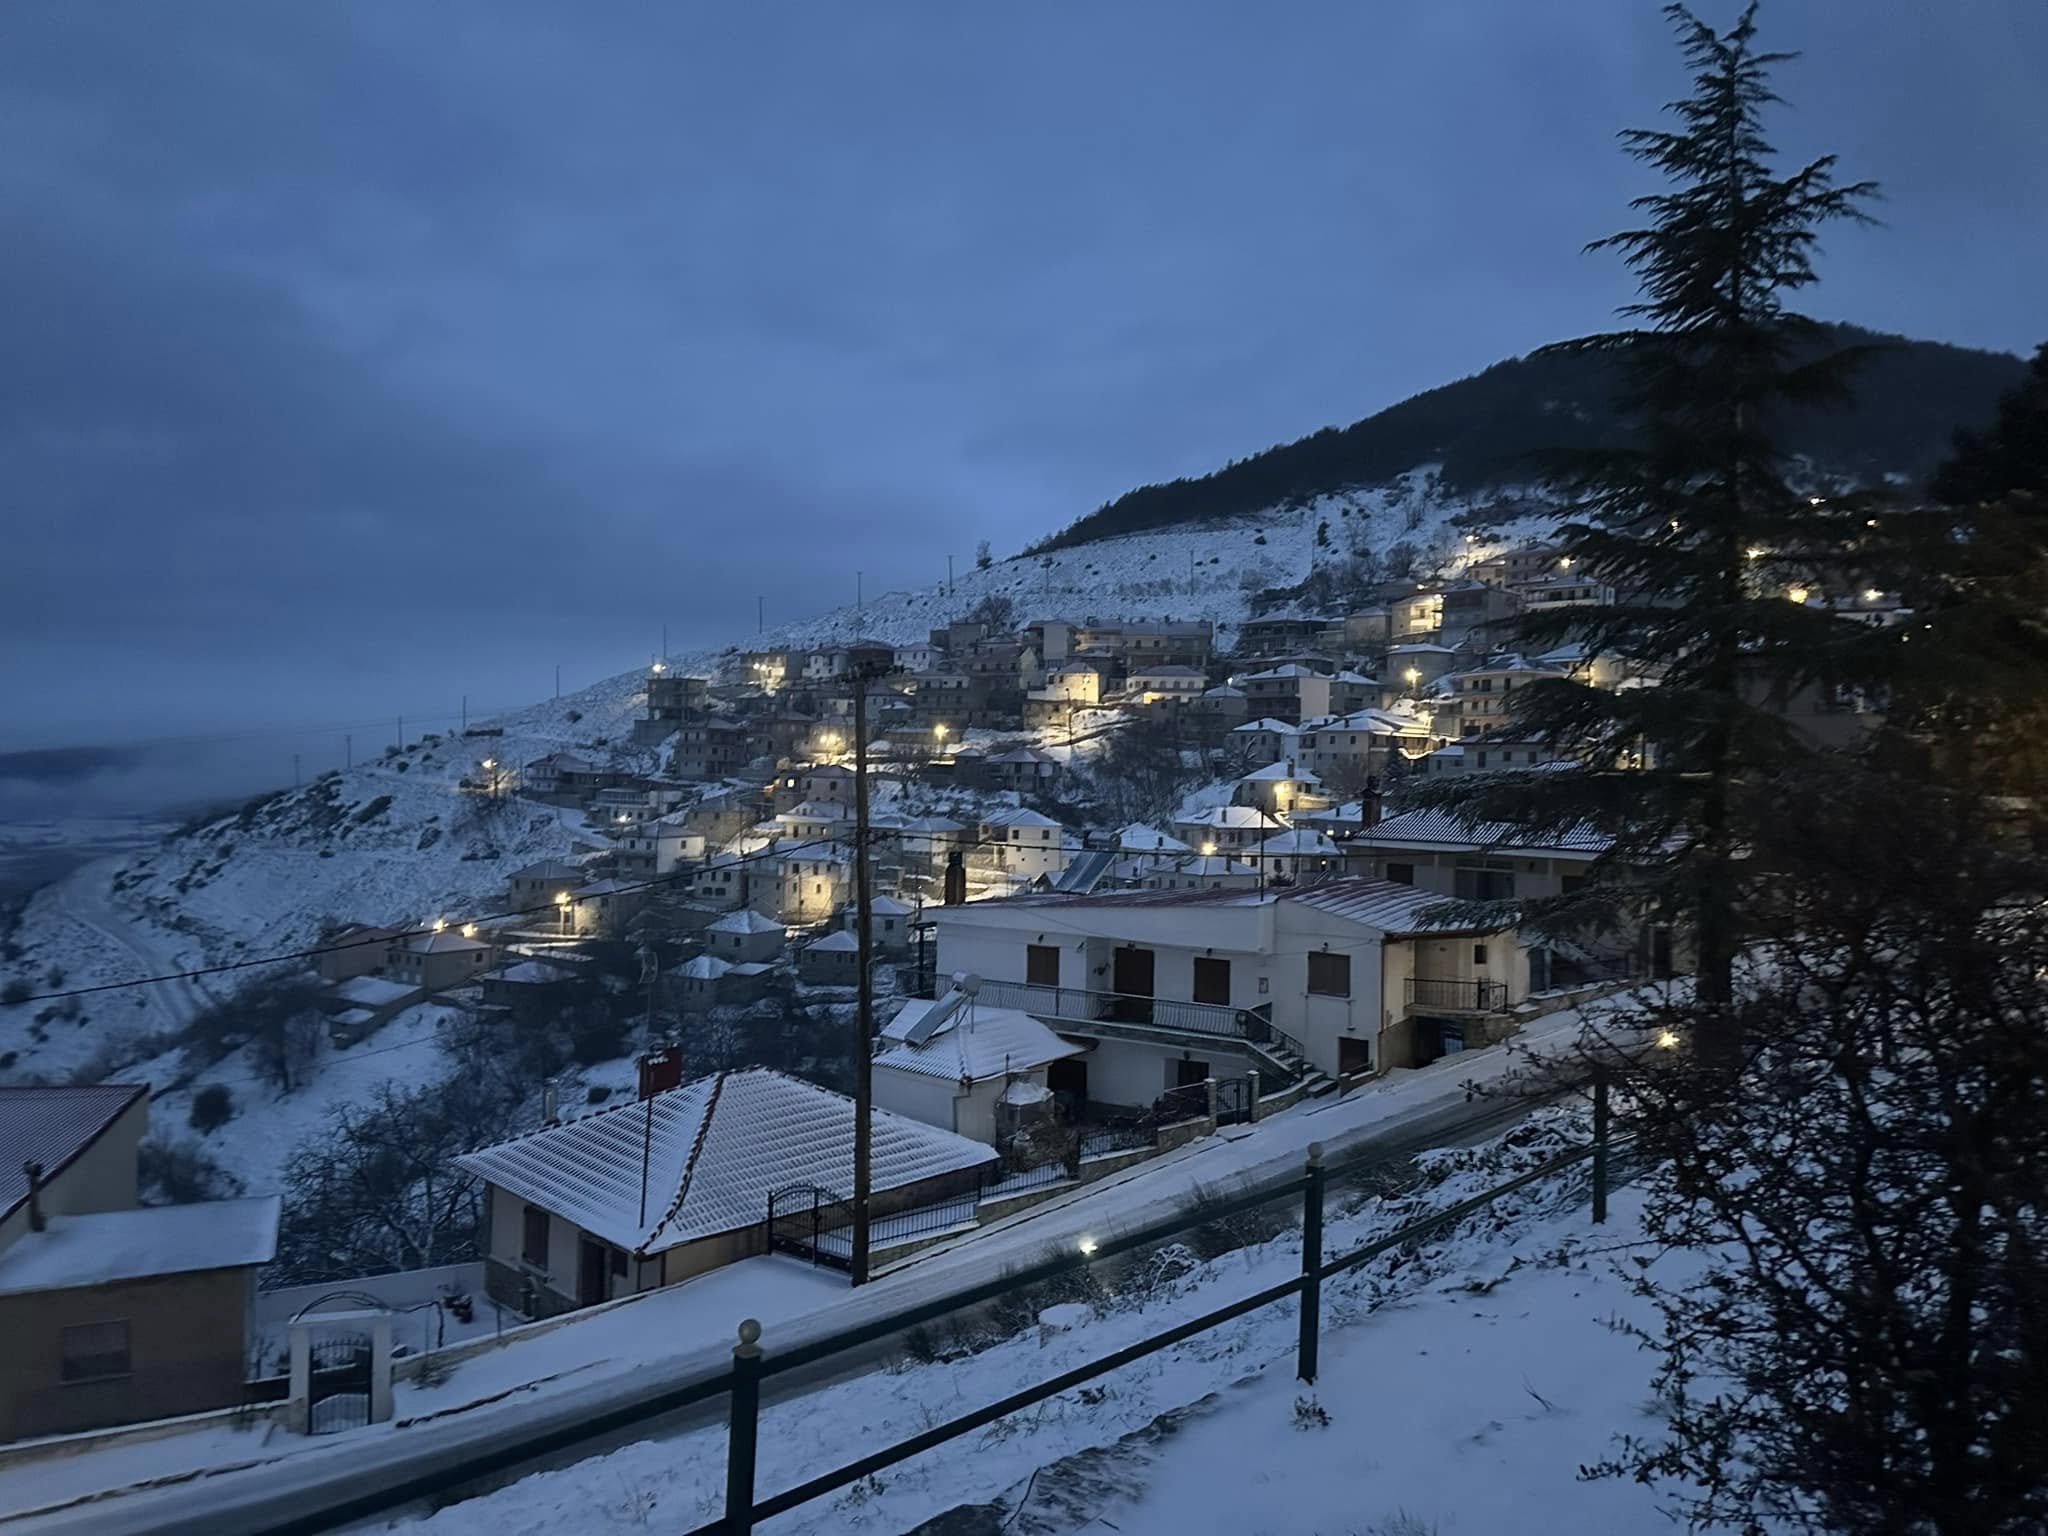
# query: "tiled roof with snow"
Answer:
x=1230 y=816
x=374 y=991
x=1298 y=843
x=447 y=942
x=746 y=920
x=101 y=1247
x=1280 y=773
x=719 y=1147
x=1292 y=670
x=1139 y=838
x=840 y=942
x=1277 y=727
x=979 y=1043
x=1449 y=830
x=53 y=1125
x=1017 y=816
x=705 y=968
x=1393 y=909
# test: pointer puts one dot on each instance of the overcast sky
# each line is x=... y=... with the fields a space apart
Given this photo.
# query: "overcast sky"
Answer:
x=354 y=357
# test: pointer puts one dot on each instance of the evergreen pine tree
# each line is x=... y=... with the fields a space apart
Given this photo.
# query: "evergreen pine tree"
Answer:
x=1689 y=523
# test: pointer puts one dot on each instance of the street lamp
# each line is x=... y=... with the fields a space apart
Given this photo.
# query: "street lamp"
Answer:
x=1414 y=675
x=1796 y=594
x=1209 y=850
x=562 y=906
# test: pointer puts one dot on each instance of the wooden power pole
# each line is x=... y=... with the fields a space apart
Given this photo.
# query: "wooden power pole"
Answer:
x=864 y=1011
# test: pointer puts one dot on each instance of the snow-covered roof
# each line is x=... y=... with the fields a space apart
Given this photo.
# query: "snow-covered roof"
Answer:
x=374 y=991
x=531 y=973
x=705 y=968
x=1023 y=1091
x=53 y=1125
x=1230 y=816
x=929 y=825
x=103 y=1247
x=1223 y=691
x=746 y=920
x=1280 y=773
x=355 y=1017
x=1017 y=816
x=1392 y=909
x=719 y=1147
x=447 y=942
x=1167 y=669
x=816 y=810
x=1299 y=843
x=1355 y=677
x=1139 y=838
x=1421 y=647
x=550 y=869
x=1291 y=670
x=1212 y=864
x=974 y=1044
x=1446 y=829
x=886 y=906
x=1277 y=727
x=839 y=942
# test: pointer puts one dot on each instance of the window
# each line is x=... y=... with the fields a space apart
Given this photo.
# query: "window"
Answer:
x=1041 y=965
x=534 y=1247
x=95 y=1351
x=1401 y=874
x=619 y=1262
x=1479 y=954
x=1329 y=975
x=1212 y=980
x=1484 y=880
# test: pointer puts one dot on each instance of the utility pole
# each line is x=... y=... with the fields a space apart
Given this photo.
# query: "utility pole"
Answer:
x=864 y=1012
x=401 y=733
x=760 y=613
x=348 y=752
x=949 y=575
x=664 y=642
x=558 y=679
x=465 y=714
x=295 y=770
x=859 y=598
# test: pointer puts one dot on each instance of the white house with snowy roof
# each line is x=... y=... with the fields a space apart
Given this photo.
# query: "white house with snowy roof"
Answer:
x=744 y=935
x=1227 y=828
x=1025 y=843
x=888 y=923
x=1139 y=838
x=1197 y=872
x=1345 y=976
x=949 y=1062
x=1264 y=740
x=1281 y=788
x=830 y=961
x=570 y=1226
x=1298 y=854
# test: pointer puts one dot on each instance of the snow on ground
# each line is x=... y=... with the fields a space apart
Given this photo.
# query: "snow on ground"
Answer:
x=1465 y=1383
x=596 y=1357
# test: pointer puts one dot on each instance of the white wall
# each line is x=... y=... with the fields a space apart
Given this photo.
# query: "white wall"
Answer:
x=928 y=1099
x=1126 y=1072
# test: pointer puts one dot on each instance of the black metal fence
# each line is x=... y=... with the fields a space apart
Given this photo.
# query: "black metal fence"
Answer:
x=1465 y=996
x=751 y=1365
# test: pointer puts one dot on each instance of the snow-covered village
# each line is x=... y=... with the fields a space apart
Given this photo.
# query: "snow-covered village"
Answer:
x=1477 y=971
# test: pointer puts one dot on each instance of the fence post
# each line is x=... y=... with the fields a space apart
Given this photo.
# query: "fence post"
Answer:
x=1311 y=1265
x=1599 y=1142
x=1251 y=1096
x=742 y=1431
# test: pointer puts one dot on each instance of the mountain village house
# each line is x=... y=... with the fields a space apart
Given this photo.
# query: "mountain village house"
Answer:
x=569 y=1227
x=113 y=1312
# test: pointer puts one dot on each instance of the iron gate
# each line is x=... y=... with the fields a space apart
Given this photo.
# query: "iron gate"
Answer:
x=338 y=1393
x=1233 y=1100
x=795 y=1215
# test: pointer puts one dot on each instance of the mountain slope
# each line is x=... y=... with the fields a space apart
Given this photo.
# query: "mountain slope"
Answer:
x=1491 y=428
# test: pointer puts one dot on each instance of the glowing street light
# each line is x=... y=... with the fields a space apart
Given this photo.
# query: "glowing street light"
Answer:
x=1756 y=552
x=1209 y=850
x=1414 y=675
x=469 y=930
x=658 y=668
x=1667 y=1039
x=1872 y=595
x=1797 y=594
x=440 y=924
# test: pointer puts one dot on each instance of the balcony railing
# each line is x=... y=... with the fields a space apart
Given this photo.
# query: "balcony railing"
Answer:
x=1081 y=1005
x=1457 y=996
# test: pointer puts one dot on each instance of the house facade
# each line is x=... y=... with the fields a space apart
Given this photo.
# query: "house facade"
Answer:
x=1351 y=976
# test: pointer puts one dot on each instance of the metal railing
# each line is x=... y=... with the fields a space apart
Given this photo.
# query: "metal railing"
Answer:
x=1463 y=996
x=1084 y=1006
x=751 y=1366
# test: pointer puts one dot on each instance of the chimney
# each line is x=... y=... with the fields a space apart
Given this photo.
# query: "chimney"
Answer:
x=550 y=1110
x=956 y=879
x=1368 y=804
x=36 y=1220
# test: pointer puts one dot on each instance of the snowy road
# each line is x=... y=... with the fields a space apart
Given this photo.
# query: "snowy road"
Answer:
x=86 y=898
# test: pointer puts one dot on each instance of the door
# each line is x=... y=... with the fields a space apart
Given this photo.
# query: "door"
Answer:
x=1131 y=980
x=591 y=1266
x=1068 y=1082
x=1353 y=1055
x=1212 y=980
x=1188 y=1072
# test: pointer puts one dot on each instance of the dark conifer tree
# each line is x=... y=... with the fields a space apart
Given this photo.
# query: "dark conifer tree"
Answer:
x=1689 y=524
